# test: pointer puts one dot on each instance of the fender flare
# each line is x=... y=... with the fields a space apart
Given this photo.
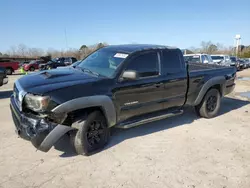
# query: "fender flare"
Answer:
x=102 y=101
x=210 y=83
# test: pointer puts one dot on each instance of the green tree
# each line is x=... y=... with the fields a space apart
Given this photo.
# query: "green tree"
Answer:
x=212 y=49
x=245 y=53
x=83 y=47
x=100 y=45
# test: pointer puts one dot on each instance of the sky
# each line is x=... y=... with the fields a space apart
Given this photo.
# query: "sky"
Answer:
x=61 y=24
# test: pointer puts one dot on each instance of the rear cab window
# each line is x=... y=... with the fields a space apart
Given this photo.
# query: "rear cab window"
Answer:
x=172 y=61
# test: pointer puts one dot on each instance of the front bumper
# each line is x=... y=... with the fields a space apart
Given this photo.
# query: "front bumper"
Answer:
x=42 y=133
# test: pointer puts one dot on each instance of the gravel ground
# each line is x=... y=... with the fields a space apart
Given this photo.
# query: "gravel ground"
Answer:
x=182 y=151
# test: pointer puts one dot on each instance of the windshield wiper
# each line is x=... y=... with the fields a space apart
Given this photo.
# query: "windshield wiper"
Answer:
x=90 y=71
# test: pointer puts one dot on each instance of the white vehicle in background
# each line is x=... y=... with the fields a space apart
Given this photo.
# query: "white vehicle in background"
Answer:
x=221 y=59
x=198 y=58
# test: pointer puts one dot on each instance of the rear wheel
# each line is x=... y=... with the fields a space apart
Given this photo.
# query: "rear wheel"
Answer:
x=9 y=71
x=210 y=105
x=92 y=135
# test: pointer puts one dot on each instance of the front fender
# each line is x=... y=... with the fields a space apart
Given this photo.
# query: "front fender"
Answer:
x=102 y=101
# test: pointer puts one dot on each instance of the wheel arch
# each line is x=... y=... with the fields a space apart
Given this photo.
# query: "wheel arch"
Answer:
x=86 y=105
x=216 y=82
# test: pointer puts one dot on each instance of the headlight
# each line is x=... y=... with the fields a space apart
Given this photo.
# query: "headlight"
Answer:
x=37 y=103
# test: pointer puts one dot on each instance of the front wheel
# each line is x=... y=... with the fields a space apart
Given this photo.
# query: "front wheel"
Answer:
x=9 y=71
x=210 y=105
x=92 y=134
x=32 y=69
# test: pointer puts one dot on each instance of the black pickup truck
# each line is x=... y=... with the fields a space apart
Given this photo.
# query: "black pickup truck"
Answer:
x=116 y=86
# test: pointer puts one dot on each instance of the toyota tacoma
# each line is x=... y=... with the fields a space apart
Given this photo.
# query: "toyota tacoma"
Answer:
x=116 y=86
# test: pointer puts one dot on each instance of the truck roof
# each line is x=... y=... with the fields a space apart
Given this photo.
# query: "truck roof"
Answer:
x=130 y=48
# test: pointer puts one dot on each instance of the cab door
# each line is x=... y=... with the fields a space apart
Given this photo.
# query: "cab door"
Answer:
x=175 y=78
x=143 y=95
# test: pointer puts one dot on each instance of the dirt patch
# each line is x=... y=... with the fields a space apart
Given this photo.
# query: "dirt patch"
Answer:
x=183 y=151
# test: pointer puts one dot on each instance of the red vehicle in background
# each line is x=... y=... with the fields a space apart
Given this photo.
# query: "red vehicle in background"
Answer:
x=10 y=66
x=33 y=65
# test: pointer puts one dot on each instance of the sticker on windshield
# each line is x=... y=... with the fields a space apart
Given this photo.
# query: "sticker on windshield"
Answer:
x=121 y=55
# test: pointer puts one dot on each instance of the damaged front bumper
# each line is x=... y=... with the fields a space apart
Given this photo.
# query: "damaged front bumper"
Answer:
x=43 y=134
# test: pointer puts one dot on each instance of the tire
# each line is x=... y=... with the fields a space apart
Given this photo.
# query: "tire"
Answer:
x=9 y=71
x=32 y=69
x=210 y=104
x=88 y=138
x=1 y=81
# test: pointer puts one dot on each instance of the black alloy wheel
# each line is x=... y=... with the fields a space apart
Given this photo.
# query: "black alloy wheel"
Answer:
x=211 y=103
x=95 y=132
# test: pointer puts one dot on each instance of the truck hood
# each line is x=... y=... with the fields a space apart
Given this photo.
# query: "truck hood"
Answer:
x=50 y=80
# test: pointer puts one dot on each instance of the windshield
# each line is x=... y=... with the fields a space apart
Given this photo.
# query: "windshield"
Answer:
x=217 y=57
x=103 y=61
x=192 y=59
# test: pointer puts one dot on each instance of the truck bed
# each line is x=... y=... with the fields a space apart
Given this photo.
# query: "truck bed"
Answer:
x=199 y=74
x=201 y=66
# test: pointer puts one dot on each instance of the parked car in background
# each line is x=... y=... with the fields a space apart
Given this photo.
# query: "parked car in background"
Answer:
x=32 y=65
x=3 y=76
x=66 y=60
x=58 y=62
x=10 y=66
x=198 y=58
x=23 y=63
x=116 y=86
x=247 y=61
x=52 y=65
x=243 y=64
x=221 y=59
x=234 y=62
x=69 y=60
x=76 y=63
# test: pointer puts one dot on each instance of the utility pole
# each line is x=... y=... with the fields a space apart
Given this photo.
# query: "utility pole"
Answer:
x=66 y=39
x=237 y=42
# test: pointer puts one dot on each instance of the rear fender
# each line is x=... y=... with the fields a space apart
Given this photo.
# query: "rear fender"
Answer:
x=102 y=101
x=219 y=80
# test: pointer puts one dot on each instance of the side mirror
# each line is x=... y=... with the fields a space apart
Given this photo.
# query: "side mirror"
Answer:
x=129 y=75
x=205 y=61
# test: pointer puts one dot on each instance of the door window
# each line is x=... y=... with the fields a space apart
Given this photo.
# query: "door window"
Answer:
x=145 y=65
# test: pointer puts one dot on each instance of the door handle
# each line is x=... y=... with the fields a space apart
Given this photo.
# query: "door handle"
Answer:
x=158 y=84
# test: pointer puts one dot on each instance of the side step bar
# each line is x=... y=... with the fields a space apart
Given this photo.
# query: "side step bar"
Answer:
x=148 y=120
